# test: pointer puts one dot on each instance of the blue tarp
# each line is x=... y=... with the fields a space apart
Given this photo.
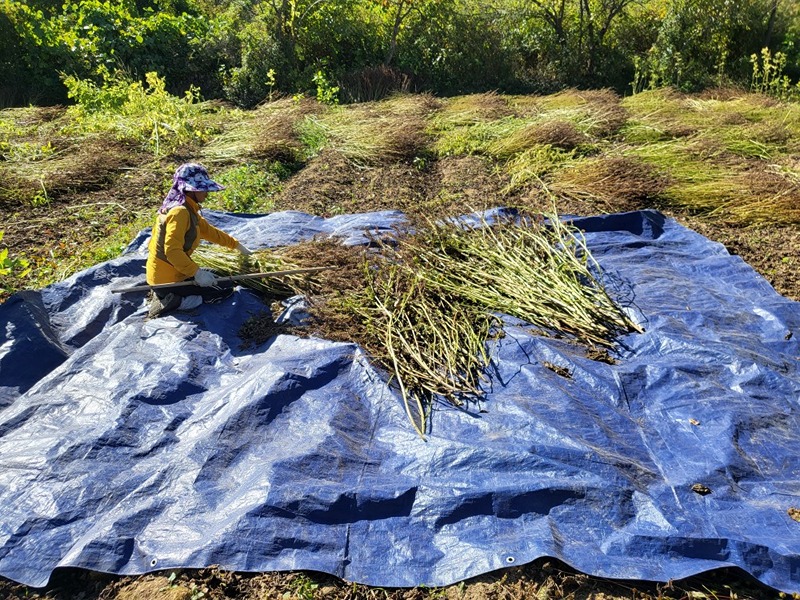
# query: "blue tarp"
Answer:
x=129 y=445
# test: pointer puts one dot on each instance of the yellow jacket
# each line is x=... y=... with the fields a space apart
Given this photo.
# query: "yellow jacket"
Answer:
x=175 y=236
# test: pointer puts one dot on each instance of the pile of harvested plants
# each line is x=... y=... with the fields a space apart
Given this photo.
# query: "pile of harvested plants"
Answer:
x=423 y=304
x=229 y=262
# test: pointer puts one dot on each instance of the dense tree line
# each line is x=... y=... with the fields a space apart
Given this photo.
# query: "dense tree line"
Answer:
x=350 y=50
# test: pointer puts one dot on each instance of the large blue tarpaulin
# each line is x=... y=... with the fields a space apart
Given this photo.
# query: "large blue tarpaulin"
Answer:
x=130 y=445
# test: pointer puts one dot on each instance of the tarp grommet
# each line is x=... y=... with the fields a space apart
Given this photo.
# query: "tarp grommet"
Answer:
x=510 y=560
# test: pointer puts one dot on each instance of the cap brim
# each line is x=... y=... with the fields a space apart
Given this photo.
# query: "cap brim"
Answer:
x=211 y=186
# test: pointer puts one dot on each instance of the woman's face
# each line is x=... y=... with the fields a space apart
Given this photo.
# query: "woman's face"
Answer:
x=197 y=196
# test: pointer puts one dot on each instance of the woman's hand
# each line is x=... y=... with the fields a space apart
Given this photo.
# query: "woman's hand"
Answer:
x=204 y=278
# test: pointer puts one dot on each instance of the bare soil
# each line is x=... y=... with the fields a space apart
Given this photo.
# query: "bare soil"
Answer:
x=542 y=579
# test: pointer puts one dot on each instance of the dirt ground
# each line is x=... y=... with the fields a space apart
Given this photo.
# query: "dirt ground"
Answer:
x=330 y=184
x=544 y=579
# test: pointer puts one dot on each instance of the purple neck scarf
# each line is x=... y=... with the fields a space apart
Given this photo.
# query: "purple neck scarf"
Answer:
x=176 y=195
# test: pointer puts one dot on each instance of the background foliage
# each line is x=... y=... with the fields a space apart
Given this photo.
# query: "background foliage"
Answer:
x=246 y=51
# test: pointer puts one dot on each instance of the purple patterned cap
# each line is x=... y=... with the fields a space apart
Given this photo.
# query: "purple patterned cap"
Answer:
x=196 y=179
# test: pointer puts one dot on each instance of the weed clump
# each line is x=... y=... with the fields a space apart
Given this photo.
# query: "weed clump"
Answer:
x=142 y=113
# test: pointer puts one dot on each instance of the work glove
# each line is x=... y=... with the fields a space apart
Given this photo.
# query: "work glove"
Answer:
x=204 y=278
x=242 y=249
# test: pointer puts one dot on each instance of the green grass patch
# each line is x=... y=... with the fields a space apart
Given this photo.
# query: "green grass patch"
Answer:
x=314 y=136
x=250 y=188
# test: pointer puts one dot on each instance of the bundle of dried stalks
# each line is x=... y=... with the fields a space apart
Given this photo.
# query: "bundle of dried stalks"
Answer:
x=559 y=134
x=375 y=133
x=773 y=197
x=226 y=262
x=611 y=114
x=431 y=297
x=597 y=113
x=267 y=133
x=274 y=129
x=614 y=180
x=91 y=163
x=468 y=110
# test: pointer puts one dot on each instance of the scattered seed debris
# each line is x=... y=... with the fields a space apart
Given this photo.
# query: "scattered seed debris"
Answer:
x=701 y=489
x=563 y=371
x=794 y=513
x=600 y=355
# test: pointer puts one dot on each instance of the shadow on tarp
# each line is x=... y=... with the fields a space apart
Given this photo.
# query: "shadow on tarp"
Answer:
x=129 y=445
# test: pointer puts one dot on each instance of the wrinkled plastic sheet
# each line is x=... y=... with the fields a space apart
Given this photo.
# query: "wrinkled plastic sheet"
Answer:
x=129 y=445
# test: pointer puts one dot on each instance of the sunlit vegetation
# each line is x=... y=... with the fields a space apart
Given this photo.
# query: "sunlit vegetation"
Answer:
x=337 y=51
x=727 y=155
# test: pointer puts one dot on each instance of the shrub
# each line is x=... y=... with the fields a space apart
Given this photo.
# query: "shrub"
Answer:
x=143 y=113
x=455 y=51
x=264 y=68
x=30 y=49
x=88 y=39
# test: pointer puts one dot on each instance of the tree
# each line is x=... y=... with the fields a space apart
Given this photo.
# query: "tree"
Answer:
x=579 y=29
x=290 y=16
x=554 y=12
x=773 y=13
x=706 y=42
x=398 y=11
x=596 y=18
